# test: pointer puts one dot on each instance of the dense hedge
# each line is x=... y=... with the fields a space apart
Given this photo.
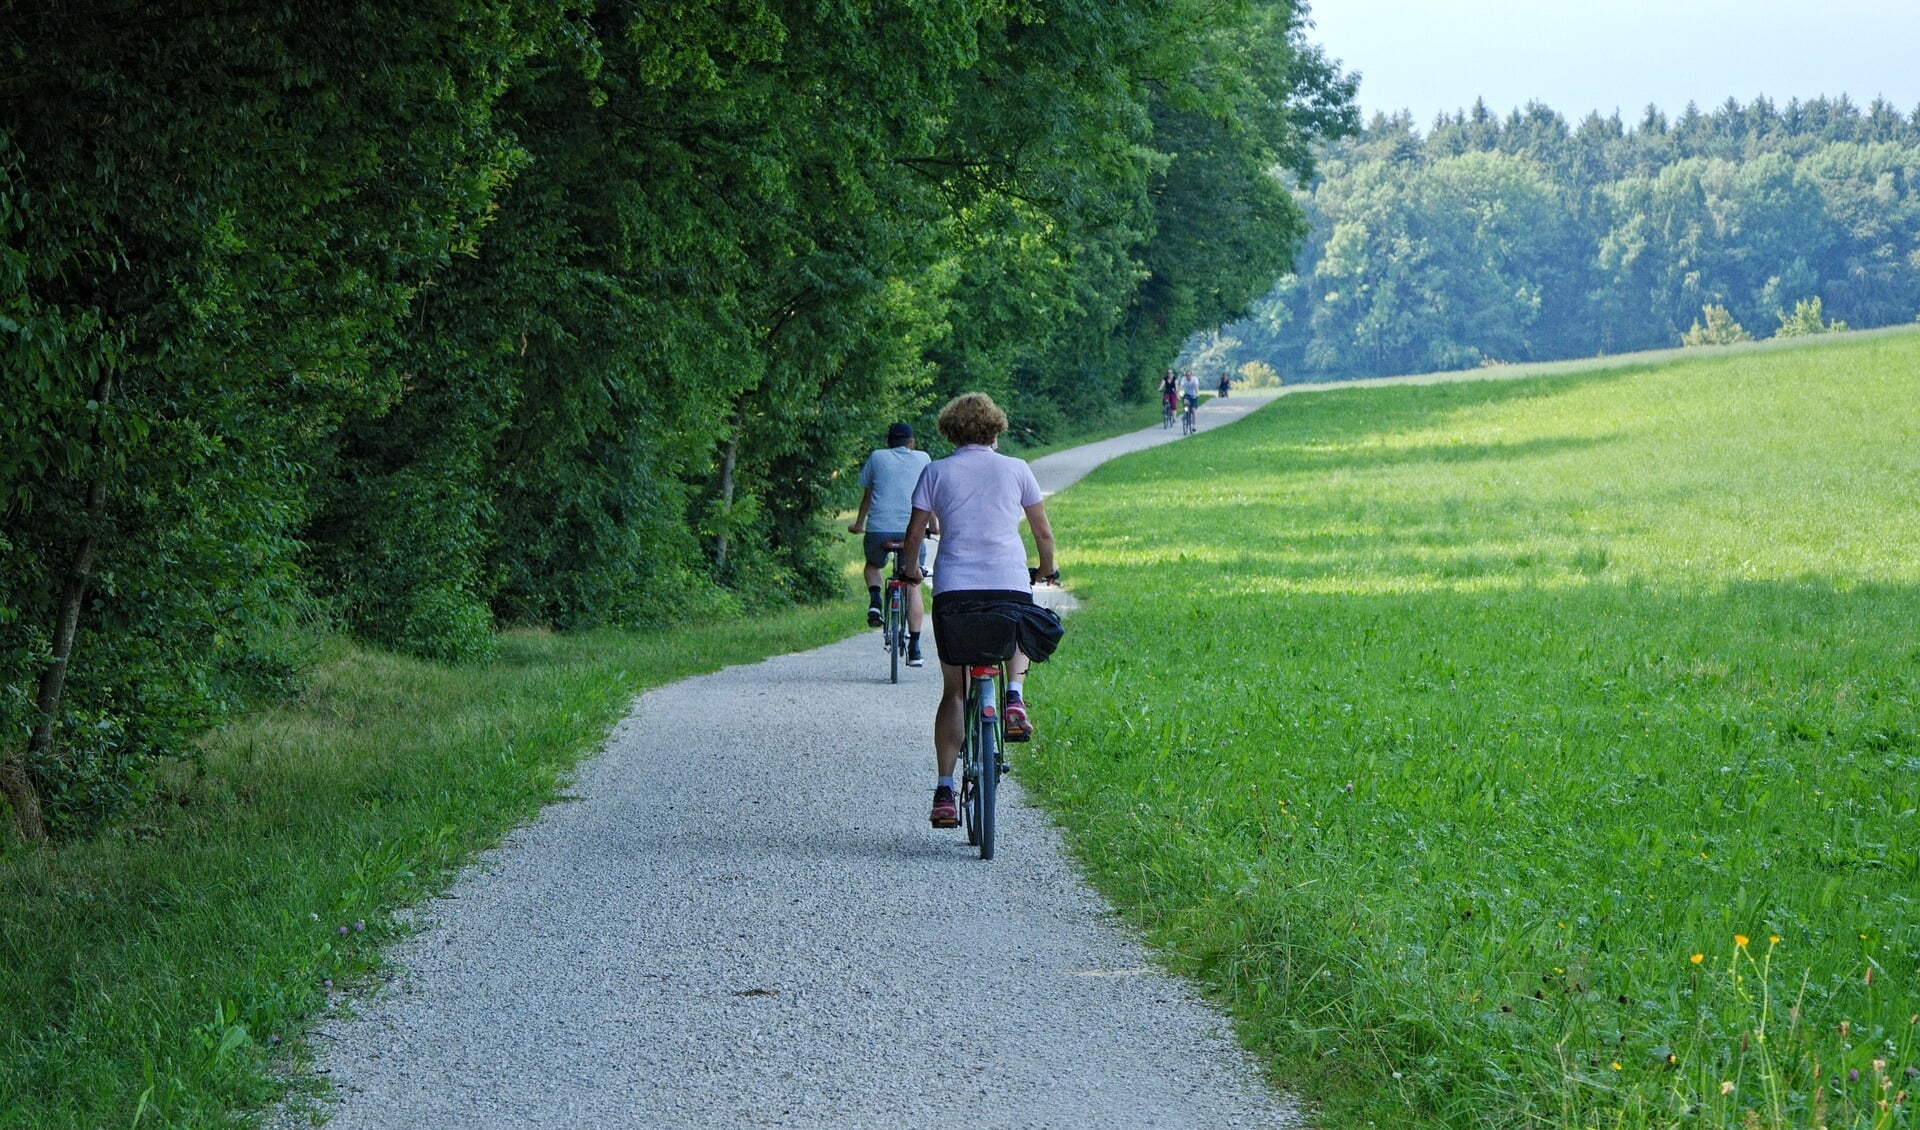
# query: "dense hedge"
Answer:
x=570 y=313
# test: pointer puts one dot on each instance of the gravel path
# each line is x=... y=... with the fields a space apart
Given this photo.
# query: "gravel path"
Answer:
x=1062 y=469
x=742 y=918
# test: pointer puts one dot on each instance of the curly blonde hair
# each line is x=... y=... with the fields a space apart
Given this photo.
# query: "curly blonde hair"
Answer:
x=972 y=417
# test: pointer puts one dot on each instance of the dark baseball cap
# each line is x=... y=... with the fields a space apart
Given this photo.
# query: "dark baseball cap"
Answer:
x=900 y=432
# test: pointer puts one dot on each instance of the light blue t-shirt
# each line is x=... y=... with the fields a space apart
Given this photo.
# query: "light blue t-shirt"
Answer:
x=979 y=497
x=891 y=473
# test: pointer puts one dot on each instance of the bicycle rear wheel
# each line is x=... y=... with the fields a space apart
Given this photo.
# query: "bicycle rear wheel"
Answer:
x=970 y=770
x=896 y=633
x=989 y=783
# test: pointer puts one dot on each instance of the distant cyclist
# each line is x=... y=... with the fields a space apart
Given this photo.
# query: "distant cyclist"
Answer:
x=977 y=497
x=1226 y=382
x=885 y=504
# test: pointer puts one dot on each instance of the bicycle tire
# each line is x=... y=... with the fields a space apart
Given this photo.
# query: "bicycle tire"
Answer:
x=896 y=632
x=970 y=769
x=989 y=783
x=900 y=628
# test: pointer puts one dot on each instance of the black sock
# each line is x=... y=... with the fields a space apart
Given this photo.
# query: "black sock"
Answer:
x=873 y=596
x=913 y=639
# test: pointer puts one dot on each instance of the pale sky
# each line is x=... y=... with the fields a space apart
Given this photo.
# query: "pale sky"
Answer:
x=1431 y=56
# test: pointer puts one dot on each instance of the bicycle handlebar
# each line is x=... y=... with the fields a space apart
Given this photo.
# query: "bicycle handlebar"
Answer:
x=1034 y=577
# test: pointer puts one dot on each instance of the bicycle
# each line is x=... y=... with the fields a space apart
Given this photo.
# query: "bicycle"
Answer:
x=893 y=624
x=1166 y=413
x=1187 y=426
x=982 y=748
x=981 y=761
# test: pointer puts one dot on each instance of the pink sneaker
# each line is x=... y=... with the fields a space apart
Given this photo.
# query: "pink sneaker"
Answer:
x=946 y=813
x=1015 y=726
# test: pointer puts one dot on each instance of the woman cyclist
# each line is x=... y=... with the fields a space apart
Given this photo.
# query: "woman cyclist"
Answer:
x=977 y=497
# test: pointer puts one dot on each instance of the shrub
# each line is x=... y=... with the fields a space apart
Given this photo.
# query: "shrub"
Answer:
x=1806 y=320
x=1720 y=329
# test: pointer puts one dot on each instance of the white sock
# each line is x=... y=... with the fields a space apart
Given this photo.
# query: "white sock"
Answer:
x=944 y=783
x=1013 y=687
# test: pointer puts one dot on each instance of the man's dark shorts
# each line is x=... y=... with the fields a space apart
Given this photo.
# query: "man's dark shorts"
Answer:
x=877 y=555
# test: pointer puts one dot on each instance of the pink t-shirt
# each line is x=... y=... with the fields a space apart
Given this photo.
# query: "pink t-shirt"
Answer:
x=979 y=497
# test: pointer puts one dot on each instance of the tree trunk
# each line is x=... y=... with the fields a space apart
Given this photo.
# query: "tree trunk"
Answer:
x=19 y=791
x=53 y=681
x=726 y=499
x=14 y=780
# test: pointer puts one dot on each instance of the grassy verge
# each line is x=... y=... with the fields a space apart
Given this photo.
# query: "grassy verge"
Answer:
x=148 y=975
x=1526 y=752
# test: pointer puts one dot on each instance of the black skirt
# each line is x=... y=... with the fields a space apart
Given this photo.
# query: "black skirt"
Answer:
x=980 y=626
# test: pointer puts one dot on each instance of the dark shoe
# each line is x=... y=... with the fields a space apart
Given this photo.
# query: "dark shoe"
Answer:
x=1015 y=726
x=873 y=616
x=946 y=813
x=913 y=654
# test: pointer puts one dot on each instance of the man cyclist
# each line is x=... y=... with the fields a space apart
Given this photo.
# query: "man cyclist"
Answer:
x=977 y=498
x=886 y=502
x=1190 y=390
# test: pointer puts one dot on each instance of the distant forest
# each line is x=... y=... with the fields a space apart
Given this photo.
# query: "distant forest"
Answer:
x=1494 y=240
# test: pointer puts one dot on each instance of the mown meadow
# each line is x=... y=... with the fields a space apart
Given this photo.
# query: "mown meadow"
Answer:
x=1524 y=752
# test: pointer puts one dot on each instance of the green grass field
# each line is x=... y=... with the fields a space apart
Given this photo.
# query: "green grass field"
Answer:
x=1529 y=752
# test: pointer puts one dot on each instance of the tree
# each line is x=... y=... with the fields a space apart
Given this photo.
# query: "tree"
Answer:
x=210 y=218
x=566 y=313
x=1720 y=329
x=1806 y=319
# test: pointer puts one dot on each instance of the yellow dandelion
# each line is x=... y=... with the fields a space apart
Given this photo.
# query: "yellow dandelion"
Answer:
x=1773 y=939
x=1740 y=940
x=1615 y=1065
x=1698 y=958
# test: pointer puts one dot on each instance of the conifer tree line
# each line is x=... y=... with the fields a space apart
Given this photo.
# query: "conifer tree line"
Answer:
x=430 y=319
x=1522 y=238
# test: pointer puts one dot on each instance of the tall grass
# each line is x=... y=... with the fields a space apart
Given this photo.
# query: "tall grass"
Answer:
x=160 y=975
x=1536 y=752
